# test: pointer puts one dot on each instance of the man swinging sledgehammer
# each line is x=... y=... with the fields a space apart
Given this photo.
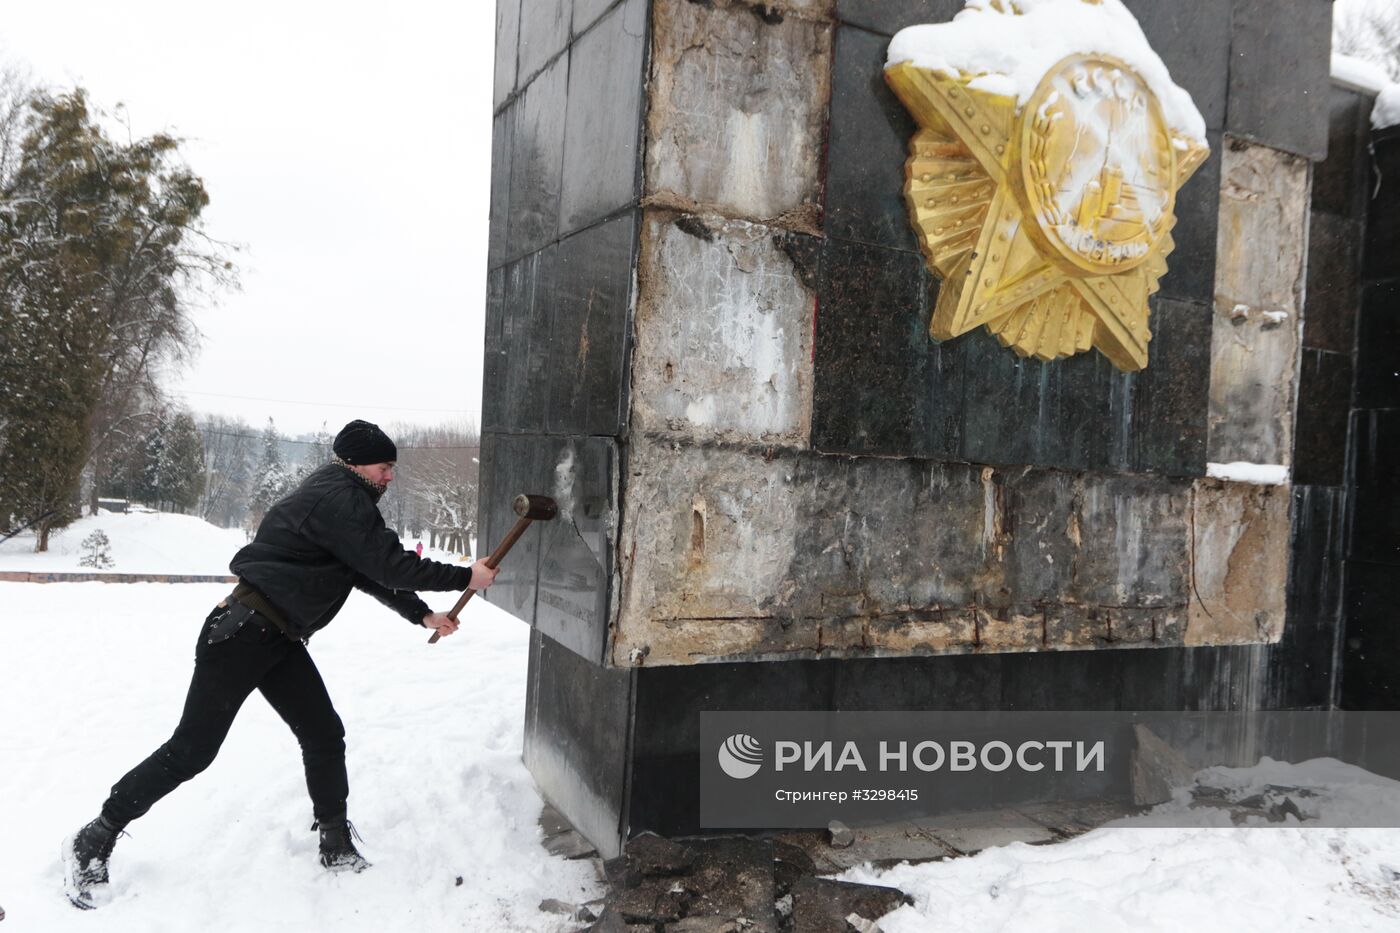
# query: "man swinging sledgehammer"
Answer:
x=311 y=548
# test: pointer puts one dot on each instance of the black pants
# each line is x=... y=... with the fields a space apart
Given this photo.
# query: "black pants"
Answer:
x=259 y=656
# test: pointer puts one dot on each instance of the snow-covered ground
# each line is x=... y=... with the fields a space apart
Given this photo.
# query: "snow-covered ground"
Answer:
x=144 y=542
x=1203 y=880
x=92 y=677
x=140 y=542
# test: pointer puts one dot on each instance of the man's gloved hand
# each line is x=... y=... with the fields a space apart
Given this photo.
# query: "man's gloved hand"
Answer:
x=440 y=623
x=482 y=575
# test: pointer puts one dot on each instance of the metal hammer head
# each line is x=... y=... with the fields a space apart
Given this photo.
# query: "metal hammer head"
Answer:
x=535 y=508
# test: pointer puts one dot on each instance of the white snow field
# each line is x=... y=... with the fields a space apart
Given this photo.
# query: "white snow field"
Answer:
x=92 y=679
x=144 y=542
x=1136 y=879
x=141 y=542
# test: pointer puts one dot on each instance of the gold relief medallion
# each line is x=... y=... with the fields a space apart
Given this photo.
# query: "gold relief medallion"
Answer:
x=1097 y=164
x=1049 y=224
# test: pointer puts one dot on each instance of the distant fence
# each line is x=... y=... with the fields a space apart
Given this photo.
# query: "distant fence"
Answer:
x=42 y=576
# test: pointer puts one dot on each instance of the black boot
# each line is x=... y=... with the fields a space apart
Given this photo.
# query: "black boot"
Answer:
x=85 y=856
x=338 y=853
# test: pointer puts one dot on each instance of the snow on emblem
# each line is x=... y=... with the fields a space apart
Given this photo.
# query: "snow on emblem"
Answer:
x=1043 y=190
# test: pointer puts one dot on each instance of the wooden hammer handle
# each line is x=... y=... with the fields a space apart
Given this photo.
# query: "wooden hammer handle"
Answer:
x=502 y=549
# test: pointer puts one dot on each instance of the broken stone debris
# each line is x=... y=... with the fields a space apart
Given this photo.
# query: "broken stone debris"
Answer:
x=820 y=905
x=1157 y=769
x=731 y=885
x=840 y=834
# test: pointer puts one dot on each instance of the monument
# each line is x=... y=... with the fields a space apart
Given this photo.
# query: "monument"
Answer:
x=865 y=382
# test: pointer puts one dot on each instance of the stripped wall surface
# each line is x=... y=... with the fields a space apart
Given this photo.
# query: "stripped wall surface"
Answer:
x=709 y=340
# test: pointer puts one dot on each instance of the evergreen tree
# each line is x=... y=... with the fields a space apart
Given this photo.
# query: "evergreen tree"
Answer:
x=180 y=467
x=318 y=453
x=271 y=480
x=99 y=241
x=148 y=487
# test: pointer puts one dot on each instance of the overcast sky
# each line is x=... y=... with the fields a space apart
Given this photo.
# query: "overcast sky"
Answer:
x=347 y=147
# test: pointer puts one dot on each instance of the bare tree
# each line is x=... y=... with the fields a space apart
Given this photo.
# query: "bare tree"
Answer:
x=230 y=446
x=435 y=490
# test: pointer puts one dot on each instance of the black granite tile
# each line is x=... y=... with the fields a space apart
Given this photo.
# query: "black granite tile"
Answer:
x=871 y=346
x=1334 y=283
x=1171 y=396
x=958 y=682
x=501 y=151
x=1193 y=40
x=664 y=793
x=1155 y=678
x=486 y=534
x=1001 y=401
x=1025 y=411
x=586 y=13
x=1078 y=423
x=939 y=398
x=526 y=340
x=1371 y=650
x=1280 y=81
x=1061 y=680
x=1302 y=667
x=1378 y=347
x=544 y=32
x=1375 y=445
x=1382 y=250
x=1375 y=526
x=576 y=548
x=602 y=137
x=1318 y=517
x=588 y=365
x=537 y=159
x=494 y=358
x=580 y=713
x=867 y=144
x=890 y=16
x=1341 y=181
x=507 y=43
x=1191 y=265
x=1320 y=433
x=669 y=699
x=512 y=464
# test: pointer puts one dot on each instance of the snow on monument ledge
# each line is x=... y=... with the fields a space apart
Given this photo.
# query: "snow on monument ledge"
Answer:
x=1011 y=44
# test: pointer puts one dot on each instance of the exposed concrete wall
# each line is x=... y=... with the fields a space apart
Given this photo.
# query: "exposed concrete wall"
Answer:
x=733 y=552
x=739 y=542
x=1257 y=331
x=723 y=333
x=1239 y=563
x=737 y=105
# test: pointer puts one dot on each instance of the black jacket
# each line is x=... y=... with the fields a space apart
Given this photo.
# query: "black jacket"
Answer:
x=327 y=536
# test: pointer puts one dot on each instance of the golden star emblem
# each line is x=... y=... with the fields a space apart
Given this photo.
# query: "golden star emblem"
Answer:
x=1050 y=225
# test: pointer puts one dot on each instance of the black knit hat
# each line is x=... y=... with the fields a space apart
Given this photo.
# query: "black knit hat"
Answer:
x=360 y=442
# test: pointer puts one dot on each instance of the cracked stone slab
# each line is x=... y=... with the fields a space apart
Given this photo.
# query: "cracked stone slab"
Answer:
x=970 y=833
x=881 y=845
x=1073 y=818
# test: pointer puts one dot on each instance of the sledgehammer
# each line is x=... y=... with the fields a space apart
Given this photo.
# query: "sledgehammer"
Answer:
x=530 y=509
